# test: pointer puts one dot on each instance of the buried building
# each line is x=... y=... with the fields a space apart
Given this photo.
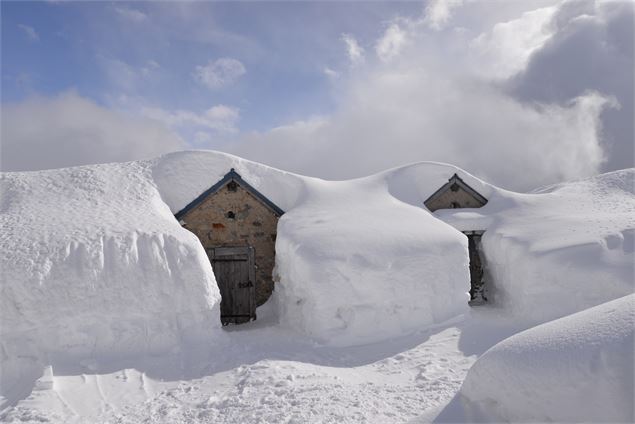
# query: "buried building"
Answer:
x=456 y=194
x=237 y=226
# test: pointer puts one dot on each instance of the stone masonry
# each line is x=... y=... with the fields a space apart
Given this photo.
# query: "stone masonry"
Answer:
x=454 y=199
x=233 y=216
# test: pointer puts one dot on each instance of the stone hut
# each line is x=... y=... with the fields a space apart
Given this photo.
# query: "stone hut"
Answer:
x=456 y=193
x=237 y=226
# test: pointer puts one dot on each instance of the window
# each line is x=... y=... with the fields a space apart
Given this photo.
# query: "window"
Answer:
x=230 y=215
x=232 y=186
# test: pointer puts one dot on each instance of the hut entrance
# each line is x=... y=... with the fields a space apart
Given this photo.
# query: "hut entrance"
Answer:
x=478 y=293
x=235 y=275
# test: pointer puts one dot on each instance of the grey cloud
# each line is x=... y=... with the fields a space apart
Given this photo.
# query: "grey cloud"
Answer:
x=592 y=49
x=67 y=130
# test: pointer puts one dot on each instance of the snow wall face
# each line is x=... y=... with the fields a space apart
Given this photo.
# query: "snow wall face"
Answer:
x=557 y=253
x=574 y=369
x=95 y=265
x=355 y=265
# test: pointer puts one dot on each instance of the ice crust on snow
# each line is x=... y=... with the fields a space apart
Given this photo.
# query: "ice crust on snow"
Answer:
x=574 y=369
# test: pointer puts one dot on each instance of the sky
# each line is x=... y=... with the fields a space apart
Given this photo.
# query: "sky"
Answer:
x=522 y=93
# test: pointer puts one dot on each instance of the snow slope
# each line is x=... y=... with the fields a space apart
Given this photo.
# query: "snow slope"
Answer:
x=98 y=277
x=95 y=265
x=356 y=265
x=574 y=369
x=559 y=251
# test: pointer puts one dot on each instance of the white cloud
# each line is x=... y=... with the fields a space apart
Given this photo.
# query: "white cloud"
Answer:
x=130 y=14
x=426 y=107
x=202 y=138
x=149 y=68
x=438 y=12
x=331 y=73
x=219 y=73
x=220 y=118
x=72 y=130
x=119 y=73
x=505 y=49
x=124 y=76
x=353 y=49
x=400 y=116
x=391 y=43
x=30 y=32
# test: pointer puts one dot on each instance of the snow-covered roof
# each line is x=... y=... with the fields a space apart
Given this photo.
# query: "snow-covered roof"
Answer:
x=456 y=181
x=232 y=175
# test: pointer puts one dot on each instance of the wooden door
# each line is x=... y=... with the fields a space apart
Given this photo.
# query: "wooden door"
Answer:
x=235 y=275
x=477 y=293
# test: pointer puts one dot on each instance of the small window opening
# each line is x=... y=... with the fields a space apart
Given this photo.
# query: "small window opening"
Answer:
x=454 y=187
x=455 y=205
x=231 y=215
x=232 y=186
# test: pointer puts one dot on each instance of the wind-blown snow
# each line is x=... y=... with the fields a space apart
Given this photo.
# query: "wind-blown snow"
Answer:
x=574 y=369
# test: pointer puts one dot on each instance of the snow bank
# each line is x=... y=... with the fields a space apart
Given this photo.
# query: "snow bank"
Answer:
x=181 y=177
x=354 y=264
x=575 y=369
x=93 y=261
x=560 y=251
x=95 y=265
x=357 y=265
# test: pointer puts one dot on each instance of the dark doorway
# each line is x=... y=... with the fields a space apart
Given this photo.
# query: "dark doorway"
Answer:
x=478 y=293
x=235 y=275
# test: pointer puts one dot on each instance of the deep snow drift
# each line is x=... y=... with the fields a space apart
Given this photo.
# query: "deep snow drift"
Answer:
x=559 y=251
x=95 y=268
x=574 y=369
x=356 y=265
x=95 y=265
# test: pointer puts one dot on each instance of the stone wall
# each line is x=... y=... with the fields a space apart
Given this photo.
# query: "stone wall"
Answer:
x=460 y=197
x=253 y=224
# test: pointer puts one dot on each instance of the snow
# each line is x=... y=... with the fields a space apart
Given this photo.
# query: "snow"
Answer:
x=109 y=309
x=95 y=265
x=577 y=368
x=356 y=265
x=343 y=240
x=560 y=251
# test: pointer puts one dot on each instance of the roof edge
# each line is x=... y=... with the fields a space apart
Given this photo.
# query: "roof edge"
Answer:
x=456 y=179
x=232 y=175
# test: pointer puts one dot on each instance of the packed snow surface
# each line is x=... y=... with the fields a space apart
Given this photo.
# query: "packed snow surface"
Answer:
x=574 y=369
x=102 y=291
